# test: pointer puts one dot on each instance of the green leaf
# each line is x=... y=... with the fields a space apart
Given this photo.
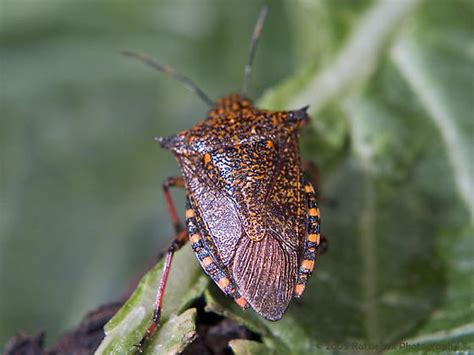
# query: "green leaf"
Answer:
x=176 y=334
x=248 y=347
x=177 y=328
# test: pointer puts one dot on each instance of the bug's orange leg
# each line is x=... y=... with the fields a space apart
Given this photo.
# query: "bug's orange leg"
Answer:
x=181 y=238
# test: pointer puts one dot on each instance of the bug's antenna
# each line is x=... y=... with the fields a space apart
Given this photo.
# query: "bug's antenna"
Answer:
x=253 y=46
x=168 y=71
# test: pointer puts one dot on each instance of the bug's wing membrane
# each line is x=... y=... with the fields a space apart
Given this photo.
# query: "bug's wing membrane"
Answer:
x=262 y=271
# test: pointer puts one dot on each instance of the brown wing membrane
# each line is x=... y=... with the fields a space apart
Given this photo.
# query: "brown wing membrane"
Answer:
x=262 y=271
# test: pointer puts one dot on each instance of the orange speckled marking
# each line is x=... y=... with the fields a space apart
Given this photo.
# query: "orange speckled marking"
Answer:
x=236 y=182
x=223 y=283
x=308 y=264
x=313 y=238
x=195 y=238
x=207 y=261
x=242 y=302
x=189 y=213
x=270 y=144
x=308 y=189
x=314 y=212
x=299 y=289
x=207 y=158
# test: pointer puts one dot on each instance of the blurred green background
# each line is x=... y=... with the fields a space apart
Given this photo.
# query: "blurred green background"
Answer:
x=82 y=212
x=82 y=207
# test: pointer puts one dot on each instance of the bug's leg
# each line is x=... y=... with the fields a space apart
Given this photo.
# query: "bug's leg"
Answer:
x=181 y=238
x=175 y=181
x=176 y=245
x=312 y=242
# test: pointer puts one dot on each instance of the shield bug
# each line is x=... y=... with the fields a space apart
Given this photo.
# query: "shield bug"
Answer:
x=252 y=217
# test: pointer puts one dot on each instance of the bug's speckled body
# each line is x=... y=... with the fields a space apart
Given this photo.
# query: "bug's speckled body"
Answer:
x=252 y=218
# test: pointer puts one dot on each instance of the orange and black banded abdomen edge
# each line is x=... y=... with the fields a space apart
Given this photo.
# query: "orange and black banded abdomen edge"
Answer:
x=311 y=242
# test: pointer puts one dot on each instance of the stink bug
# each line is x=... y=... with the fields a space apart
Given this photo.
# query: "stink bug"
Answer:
x=252 y=217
